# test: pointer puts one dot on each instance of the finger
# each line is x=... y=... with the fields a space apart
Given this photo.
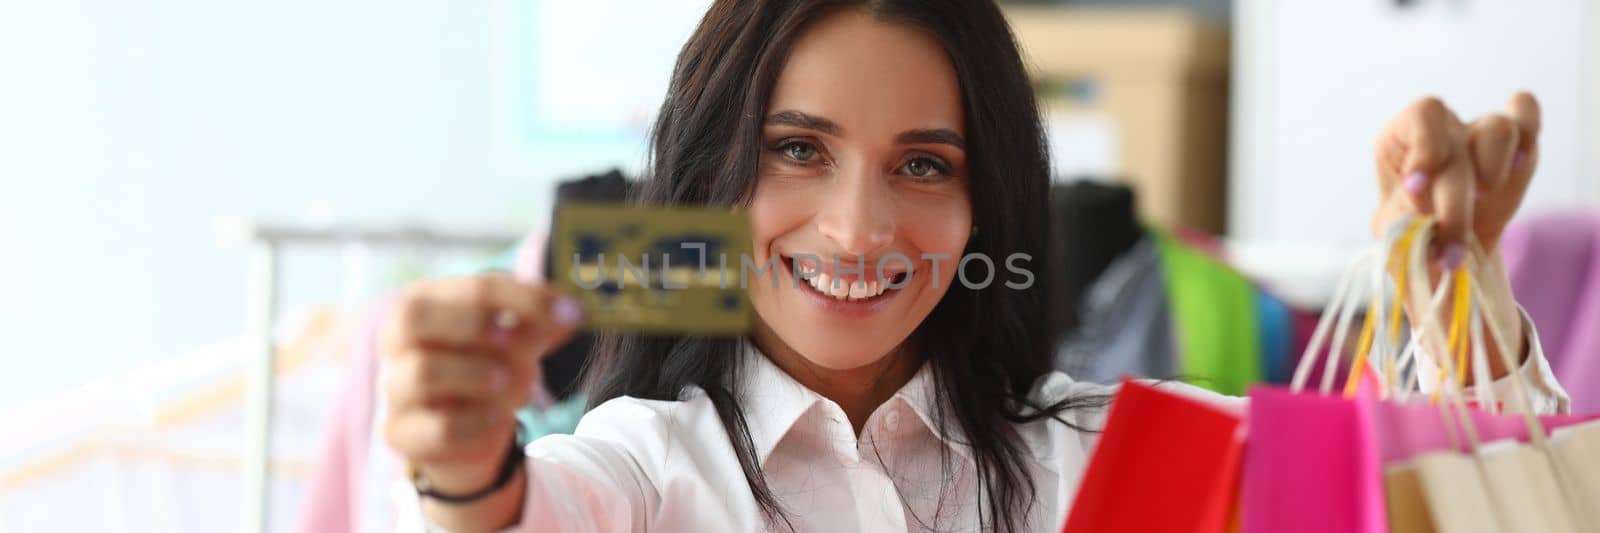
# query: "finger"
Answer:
x=559 y=322
x=484 y=312
x=449 y=380
x=462 y=377
x=1451 y=194
x=1495 y=210
x=1424 y=141
x=1523 y=109
x=442 y=437
x=1493 y=141
x=1438 y=174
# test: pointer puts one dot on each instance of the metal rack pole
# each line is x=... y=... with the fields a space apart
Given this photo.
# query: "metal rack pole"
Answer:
x=262 y=302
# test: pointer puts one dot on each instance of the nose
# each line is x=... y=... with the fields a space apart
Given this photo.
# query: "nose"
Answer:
x=858 y=213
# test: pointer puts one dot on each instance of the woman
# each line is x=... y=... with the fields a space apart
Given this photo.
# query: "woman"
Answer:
x=854 y=129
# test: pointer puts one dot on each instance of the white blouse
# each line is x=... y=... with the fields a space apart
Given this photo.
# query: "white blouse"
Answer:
x=667 y=466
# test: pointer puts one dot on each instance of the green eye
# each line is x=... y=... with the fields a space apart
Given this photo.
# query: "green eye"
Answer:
x=799 y=151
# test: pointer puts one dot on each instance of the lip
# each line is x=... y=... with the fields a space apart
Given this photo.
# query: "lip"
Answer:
x=828 y=304
x=854 y=271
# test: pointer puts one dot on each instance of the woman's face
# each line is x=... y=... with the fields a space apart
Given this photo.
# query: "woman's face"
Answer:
x=863 y=159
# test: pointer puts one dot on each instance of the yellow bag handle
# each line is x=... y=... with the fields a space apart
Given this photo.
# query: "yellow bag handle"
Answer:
x=1398 y=265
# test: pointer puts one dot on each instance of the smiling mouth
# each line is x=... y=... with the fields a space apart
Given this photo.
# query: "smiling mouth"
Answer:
x=856 y=288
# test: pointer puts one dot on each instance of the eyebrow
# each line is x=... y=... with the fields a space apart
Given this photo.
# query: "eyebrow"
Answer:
x=801 y=120
x=933 y=136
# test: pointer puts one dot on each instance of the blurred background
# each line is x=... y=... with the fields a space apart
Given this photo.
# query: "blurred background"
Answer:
x=191 y=185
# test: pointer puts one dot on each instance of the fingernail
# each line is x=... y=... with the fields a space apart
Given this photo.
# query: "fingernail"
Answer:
x=1451 y=256
x=1477 y=195
x=498 y=379
x=1416 y=181
x=567 y=311
x=499 y=337
x=1518 y=159
x=505 y=319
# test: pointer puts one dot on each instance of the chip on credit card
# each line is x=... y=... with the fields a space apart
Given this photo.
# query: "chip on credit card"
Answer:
x=673 y=270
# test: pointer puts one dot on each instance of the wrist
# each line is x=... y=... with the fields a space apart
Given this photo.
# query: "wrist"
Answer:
x=468 y=481
x=496 y=511
x=456 y=478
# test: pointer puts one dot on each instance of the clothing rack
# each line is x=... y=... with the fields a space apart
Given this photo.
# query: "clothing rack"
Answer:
x=267 y=244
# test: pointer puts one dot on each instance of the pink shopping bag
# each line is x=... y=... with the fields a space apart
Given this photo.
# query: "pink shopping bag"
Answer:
x=1404 y=431
x=1310 y=465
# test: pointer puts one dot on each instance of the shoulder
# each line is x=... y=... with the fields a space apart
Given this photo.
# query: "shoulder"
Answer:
x=659 y=439
x=1080 y=424
x=1088 y=400
x=646 y=426
x=643 y=460
x=1057 y=386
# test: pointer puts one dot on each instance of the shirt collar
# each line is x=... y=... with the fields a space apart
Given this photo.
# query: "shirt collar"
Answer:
x=773 y=403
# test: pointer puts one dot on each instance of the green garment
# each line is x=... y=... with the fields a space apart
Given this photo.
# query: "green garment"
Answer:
x=559 y=419
x=1213 y=310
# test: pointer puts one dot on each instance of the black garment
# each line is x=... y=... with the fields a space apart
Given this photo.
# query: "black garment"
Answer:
x=563 y=367
x=1092 y=223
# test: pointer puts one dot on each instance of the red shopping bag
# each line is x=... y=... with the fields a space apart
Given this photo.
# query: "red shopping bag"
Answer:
x=1165 y=462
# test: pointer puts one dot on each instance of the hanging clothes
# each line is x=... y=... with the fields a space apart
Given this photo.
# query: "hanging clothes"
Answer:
x=1214 y=311
x=1124 y=326
x=1553 y=262
x=1092 y=224
x=1275 y=326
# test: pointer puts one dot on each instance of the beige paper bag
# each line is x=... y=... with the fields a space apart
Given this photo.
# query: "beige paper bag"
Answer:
x=1454 y=497
x=1408 y=508
x=1524 y=483
x=1577 y=449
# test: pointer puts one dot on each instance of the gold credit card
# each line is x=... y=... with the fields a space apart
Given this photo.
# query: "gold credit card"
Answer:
x=654 y=270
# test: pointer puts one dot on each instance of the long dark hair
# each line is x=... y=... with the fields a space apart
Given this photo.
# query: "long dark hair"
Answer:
x=986 y=348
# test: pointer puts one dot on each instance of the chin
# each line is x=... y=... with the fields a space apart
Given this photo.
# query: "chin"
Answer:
x=834 y=357
x=846 y=348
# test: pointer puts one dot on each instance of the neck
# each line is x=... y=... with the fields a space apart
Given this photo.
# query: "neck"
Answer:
x=858 y=391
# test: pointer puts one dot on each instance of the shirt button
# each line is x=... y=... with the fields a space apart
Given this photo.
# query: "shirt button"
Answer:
x=891 y=422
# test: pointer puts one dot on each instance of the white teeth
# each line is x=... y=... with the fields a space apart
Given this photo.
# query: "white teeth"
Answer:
x=841 y=289
x=858 y=290
x=820 y=282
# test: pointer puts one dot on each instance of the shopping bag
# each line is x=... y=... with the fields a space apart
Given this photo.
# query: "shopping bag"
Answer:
x=1501 y=486
x=1534 y=494
x=1407 y=508
x=1578 y=450
x=1311 y=462
x=1439 y=491
x=1310 y=465
x=1138 y=481
x=1418 y=431
x=1407 y=430
x=1501 y=483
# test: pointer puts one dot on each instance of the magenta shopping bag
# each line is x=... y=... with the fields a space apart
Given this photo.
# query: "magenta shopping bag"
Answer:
x=1311 y=465
x=1404 y=431
x=1314 y=462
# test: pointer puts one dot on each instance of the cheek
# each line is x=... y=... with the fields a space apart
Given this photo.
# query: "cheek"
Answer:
x=939 y=227
x=775 y=210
